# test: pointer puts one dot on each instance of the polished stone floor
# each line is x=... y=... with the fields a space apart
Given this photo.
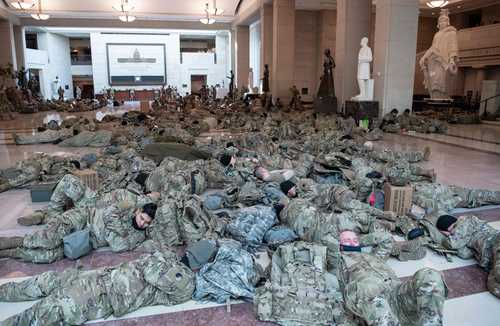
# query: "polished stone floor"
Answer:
x=469 y=303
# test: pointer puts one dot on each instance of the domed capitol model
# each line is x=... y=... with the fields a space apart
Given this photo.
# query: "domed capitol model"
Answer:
x=439 y=62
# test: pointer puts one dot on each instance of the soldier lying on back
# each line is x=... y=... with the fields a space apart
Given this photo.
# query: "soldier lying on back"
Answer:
x=74 y=296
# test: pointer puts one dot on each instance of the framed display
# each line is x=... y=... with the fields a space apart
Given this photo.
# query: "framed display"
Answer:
x=134 y=64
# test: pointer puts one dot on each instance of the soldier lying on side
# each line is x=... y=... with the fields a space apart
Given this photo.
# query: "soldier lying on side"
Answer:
x=74 y=296
x=116 y=219
x=473 y=237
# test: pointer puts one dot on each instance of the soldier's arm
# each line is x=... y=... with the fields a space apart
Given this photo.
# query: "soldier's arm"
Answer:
x=382 y=243
x=120 y=234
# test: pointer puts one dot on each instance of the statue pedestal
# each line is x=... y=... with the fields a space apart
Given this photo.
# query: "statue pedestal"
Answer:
x=362 y=109
x=327 y=104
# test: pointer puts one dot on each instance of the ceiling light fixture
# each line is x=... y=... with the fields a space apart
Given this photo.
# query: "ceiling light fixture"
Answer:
x=214 y=11
x=437 y=3
x=207 y=20
x=124 y=9
x=22 y=5
x=39 y=15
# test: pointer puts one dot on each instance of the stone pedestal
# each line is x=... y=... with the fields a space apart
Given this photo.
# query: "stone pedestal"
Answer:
x=327 y=104
x=489 y=89
x=362 y=109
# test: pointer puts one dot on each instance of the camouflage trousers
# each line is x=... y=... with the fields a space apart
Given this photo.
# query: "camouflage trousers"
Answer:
x=476 y=197
x=48 y=136
x=86 y=298
x=390 y=156
x=46 y=245
x=70 y=188
x=494 y=276
x=417 y=301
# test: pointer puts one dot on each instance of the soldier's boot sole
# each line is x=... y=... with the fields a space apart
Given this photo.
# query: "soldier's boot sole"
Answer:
x=33 y=219
x=427 y=153
x=412 y=255
x=10 y=242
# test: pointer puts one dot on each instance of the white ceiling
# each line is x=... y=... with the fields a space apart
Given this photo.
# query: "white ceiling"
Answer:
x=182 y=9
x=186 y=9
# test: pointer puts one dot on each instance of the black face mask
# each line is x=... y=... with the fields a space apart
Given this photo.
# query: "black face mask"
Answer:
x=350 y=248
x=134 y=224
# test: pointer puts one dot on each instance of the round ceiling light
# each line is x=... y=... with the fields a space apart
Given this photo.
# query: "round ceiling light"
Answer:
x=39 y=16
x=437 y=3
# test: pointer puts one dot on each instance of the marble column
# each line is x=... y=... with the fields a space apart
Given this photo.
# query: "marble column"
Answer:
x=8 y=53
x=242 y=45
x=326 y=37
x=353 y=23
x=20 y=44
x=266 y=39
x=283 y=49
x=396 y=29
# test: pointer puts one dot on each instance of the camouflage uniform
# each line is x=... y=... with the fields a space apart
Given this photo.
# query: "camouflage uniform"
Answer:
x=473 y=237
x=88 y=138
x=74 y=297
x=301 y=291
x=25 y=172
x=174 y=177
x=251 y=224
x=374 y=293
x=232 y=274
x=47 y=136
x=389 y=123
x=387 y=155
x=439 y=199
x=401 y=172
x=108 y=218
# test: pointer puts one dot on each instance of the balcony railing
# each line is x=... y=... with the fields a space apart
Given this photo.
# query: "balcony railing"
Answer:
x=81 y=60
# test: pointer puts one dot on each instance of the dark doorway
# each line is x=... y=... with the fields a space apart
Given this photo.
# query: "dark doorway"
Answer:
x=197 y=81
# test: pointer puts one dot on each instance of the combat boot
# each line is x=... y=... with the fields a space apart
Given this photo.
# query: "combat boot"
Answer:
x=427 y=153
x=10 y=242
x=34 y=219
x=410 y=250
x=4 y=185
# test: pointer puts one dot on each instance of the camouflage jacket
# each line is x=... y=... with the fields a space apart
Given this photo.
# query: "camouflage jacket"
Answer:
x=473 y=237
x=110 y=220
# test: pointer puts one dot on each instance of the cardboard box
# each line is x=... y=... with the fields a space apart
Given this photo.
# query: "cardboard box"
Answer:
x=145 y=107
x=89 y=177
x=397 y=199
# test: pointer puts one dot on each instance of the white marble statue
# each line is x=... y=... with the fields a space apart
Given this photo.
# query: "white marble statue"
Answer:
x=250 y=79
x=365 y=83
x=78 y=93
x=55 y=88
x=439 y=62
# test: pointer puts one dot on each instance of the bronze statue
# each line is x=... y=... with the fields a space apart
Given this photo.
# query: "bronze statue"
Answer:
x=265 y=80
x=327 y=84
x=231 y=84
x=325 y=101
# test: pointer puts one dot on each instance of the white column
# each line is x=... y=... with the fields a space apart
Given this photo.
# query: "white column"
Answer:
x=353 y=23
x=396 y=27
x=283 y=49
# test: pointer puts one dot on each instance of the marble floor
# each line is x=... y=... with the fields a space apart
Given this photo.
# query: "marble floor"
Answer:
x=469 y=302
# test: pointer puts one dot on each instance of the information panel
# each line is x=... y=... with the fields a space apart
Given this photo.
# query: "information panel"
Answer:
x=136 y=64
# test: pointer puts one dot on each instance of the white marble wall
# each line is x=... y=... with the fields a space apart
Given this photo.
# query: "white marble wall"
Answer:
x=177 y=74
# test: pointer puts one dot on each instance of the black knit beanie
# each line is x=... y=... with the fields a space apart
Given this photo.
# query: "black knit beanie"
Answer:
x=444 y=222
